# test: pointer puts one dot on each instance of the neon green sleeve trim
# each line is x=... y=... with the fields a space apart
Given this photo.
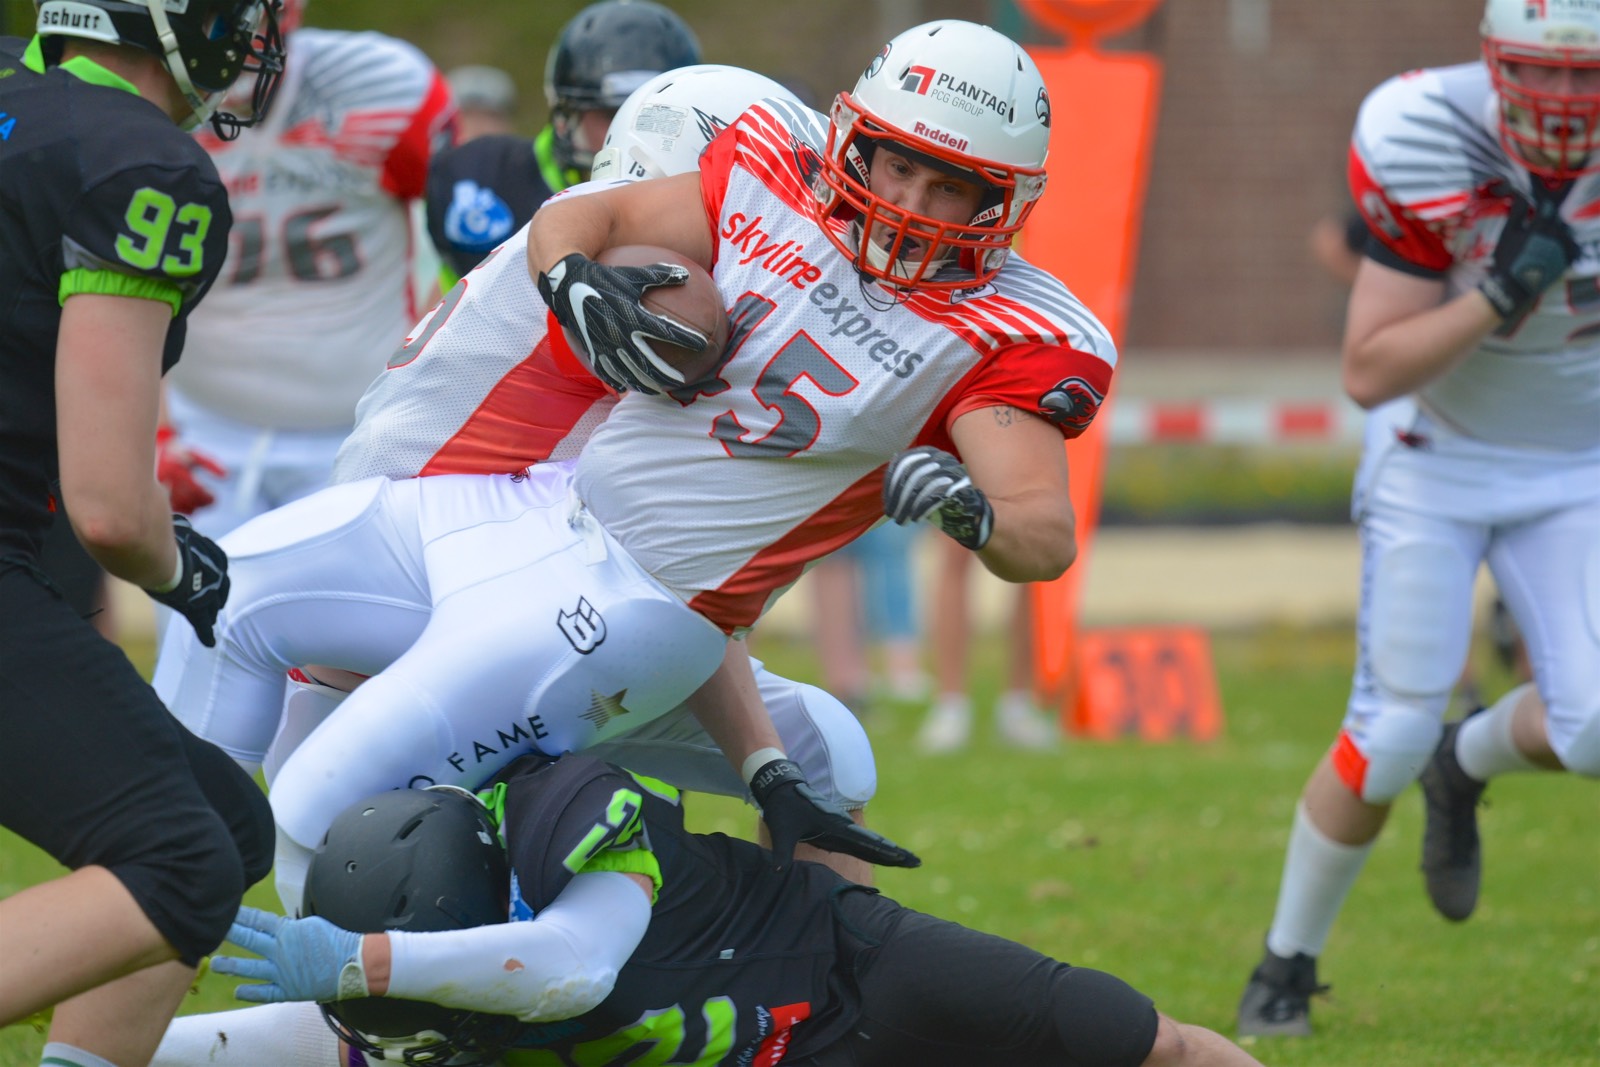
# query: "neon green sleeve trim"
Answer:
x=115 y=283
x=630 y=861
x=447 y=278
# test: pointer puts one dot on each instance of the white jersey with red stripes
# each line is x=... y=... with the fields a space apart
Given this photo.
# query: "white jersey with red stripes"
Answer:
x=318 y=287
x=727 y=491
x=1428 y=172
x=485 y=384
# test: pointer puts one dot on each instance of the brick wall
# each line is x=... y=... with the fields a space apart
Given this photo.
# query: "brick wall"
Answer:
x=1250 y=150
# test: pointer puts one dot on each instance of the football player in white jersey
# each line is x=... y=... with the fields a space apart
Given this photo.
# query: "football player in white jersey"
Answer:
x=480 y=389
x=534 y=616
x=1473 y=336
x=320 y=279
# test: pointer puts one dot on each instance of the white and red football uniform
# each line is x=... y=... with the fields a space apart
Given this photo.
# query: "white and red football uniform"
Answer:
x=726 y=495
x=320 y=283
x=1497 y=460
x=484 y=384
x=501 y=612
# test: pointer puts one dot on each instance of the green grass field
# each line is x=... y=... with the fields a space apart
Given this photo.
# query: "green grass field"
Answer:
x=1160 y=864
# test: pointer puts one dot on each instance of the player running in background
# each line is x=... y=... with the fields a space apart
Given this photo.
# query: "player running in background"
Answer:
x=320 y=280
x=1471 y=335
x=589 y=926
x=112 y=226
x=487 y=189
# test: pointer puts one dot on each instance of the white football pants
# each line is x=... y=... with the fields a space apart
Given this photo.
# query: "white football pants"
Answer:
x=1429 y=516
x=495 y=616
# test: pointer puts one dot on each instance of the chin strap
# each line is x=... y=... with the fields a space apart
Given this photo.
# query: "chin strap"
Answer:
x=173 y=55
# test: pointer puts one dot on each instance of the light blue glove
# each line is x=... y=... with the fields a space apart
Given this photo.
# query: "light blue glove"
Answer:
x=302 y=959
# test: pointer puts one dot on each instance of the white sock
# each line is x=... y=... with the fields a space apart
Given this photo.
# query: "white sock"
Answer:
x=1484 y=747
x=290 y=1035
x=952 y=704
x=1017 y=702
x=58 y=1054
x=1317 y=875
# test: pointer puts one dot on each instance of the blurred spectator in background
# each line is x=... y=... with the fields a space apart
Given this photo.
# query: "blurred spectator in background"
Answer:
x=486 y=101
x=319 y=285
x=1018 y=721
x=863 y=596
x=487 y=189
x=1470 y=337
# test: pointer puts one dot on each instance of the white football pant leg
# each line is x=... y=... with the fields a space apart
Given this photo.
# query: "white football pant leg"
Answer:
x=335 y=578
x=545 y=636
x=1548 y=571
x=818 y=732
x=1412 y=639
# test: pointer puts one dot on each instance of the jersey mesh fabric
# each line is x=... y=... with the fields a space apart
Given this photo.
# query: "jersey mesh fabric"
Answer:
x=478 y=387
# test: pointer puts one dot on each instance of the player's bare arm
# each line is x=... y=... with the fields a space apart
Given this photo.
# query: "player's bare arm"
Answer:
x=108 y=368
x=663 y=211
x=1399 y=336
x=1017 y=460
x=729 y=706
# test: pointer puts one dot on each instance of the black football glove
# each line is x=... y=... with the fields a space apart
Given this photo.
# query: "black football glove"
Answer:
x=795 y=812
x=601 y=305
x=1534 y=251
x=929 y=483
x=203 y=588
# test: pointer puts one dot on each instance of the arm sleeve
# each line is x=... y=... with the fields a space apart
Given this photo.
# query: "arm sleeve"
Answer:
x=1397 y=237
x=558 y=965
x=431 y=130
x=1057 y=383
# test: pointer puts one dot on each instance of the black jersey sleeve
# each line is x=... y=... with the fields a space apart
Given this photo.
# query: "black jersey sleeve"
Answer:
x=165 y=219
x=571 y=814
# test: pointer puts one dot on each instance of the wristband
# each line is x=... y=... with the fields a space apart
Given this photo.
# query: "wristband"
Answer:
x=759 y=759
x=171 y=584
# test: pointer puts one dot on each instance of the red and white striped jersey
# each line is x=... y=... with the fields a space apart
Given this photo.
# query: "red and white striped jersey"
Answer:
x=1427 y=170
x=727 y=492
x=485 y=384
x=318 y=286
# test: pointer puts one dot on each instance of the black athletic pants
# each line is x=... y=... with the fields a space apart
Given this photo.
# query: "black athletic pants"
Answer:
x=938 y=994
x=97 y=772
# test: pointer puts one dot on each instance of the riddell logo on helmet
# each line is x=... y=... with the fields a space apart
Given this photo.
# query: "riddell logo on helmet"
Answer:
x=944 y=137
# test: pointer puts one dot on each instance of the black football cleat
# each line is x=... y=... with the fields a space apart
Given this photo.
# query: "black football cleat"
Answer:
x=1277 y=1002
x=1452 y=861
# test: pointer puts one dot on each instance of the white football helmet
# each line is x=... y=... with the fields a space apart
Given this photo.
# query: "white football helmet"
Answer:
x=1549 y=120
x=957 y=96
x=664 y=124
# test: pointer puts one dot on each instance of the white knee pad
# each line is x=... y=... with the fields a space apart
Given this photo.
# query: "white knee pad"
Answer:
x=824 y=738
x=1582 y=755
x=1397 y=744
x=1419 y=618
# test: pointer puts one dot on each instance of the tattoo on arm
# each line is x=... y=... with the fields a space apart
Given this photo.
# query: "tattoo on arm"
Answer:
x=1005 y=416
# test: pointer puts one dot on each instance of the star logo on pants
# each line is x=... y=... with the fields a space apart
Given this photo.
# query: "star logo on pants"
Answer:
x=602 y=708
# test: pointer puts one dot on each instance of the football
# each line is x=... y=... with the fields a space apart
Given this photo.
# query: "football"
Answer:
x=696 y=304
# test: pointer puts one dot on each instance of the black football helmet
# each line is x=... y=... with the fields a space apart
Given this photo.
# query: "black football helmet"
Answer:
x=607 y=51
x=418 y=860
x=206 y=45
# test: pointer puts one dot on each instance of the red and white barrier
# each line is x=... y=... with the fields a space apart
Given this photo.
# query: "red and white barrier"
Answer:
x=1238 y=421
